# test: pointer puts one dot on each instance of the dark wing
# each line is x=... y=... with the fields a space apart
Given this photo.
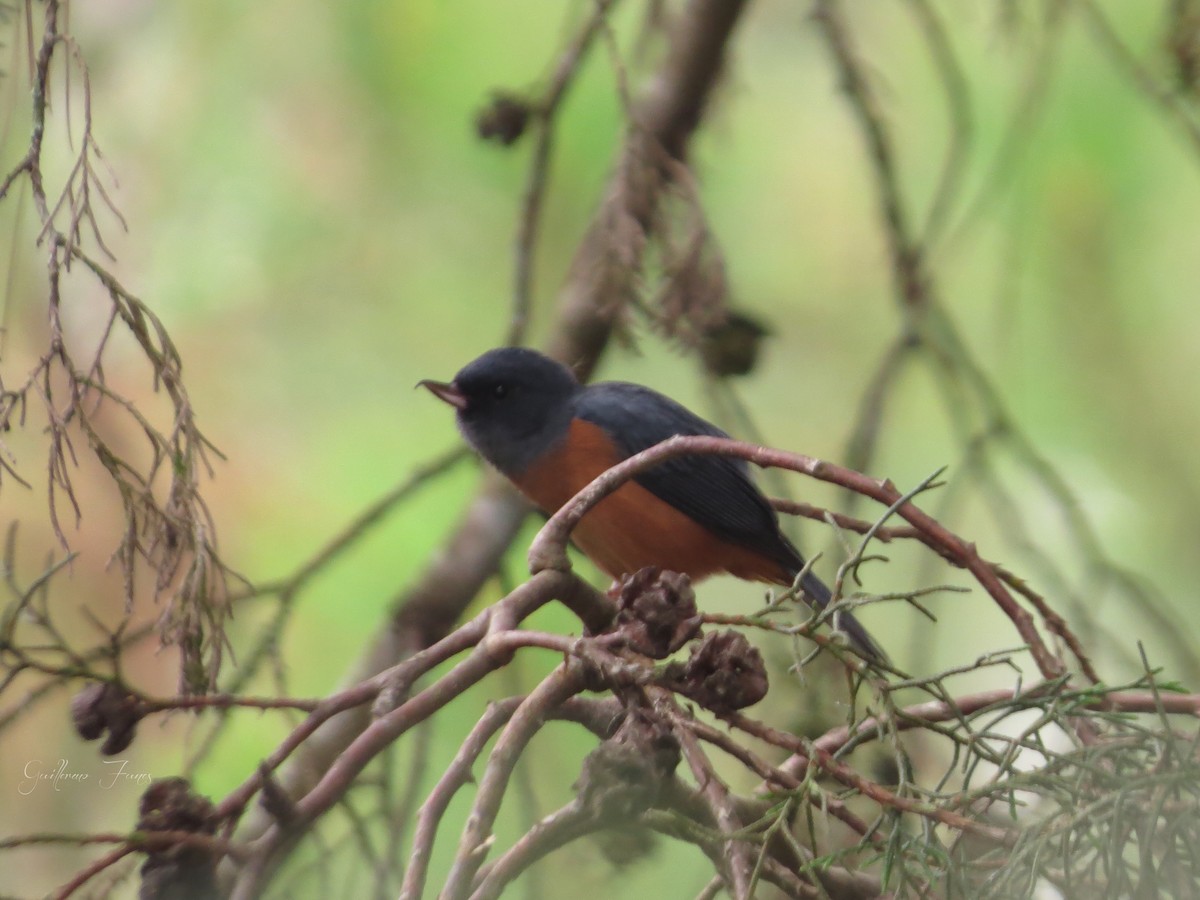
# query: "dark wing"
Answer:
x=715 y=491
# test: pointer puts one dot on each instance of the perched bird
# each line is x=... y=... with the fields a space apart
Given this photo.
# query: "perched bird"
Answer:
x=550 y=436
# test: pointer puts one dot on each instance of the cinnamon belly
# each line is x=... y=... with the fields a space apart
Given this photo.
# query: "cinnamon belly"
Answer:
x=632 y=528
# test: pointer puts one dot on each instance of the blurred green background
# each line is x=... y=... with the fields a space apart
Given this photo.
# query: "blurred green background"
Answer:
x=315 y=222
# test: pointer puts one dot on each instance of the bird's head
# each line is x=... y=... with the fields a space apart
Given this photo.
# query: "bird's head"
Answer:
x=512 y=404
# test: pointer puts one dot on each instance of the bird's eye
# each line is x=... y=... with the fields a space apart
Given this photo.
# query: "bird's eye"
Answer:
x=499 y=391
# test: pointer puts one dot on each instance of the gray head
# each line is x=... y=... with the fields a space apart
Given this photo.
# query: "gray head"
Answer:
x=513 y=405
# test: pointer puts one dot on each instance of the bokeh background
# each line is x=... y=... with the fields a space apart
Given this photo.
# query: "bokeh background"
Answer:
x=313 y=218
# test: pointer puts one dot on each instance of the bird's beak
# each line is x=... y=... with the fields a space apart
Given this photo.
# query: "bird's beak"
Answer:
x=446 y=392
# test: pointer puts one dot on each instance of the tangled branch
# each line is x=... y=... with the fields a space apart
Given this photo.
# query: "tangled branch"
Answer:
x=167 y=524
x=1051 y=778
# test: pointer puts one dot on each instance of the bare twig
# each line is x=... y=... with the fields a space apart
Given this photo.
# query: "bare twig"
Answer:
x=528 y=718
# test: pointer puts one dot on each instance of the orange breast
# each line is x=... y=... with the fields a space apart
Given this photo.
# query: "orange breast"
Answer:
x=632 y=528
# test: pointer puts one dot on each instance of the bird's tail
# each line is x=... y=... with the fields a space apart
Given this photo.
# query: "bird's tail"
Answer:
x=816 y=591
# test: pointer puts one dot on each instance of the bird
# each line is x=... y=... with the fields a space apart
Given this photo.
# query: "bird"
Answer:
x=530 y=418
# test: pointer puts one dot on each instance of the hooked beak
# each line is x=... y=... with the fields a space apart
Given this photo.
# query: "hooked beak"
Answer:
x=447 y=393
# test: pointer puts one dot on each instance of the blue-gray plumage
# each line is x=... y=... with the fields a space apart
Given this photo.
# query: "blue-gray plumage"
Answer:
x=529 y=417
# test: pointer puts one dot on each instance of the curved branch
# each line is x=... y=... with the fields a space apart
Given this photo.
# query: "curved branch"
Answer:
x=548 y=550
x=566 y=681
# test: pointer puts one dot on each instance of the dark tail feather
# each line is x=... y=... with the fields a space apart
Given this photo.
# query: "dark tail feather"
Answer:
x=817 y=592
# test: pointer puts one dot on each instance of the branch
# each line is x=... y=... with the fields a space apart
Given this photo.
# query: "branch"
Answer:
x=564 y=682
x=548 y=550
